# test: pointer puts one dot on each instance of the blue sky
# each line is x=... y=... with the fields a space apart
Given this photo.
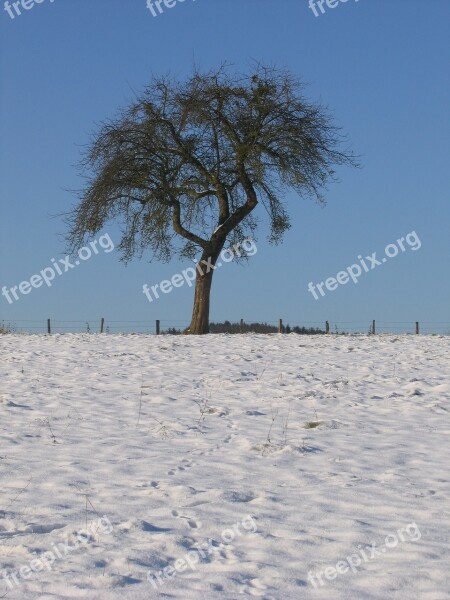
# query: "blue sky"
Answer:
x=380 y=65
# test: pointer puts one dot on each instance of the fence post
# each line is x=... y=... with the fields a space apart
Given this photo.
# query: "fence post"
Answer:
x=280 y=325
x=241 y=326
x=157 y=327
x=327 y=327
x=49 y=327
x=373 y=327
x=417 y=327
x=102 y=325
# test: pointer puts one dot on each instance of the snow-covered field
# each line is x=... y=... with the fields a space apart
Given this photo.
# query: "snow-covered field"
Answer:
x=279 y=467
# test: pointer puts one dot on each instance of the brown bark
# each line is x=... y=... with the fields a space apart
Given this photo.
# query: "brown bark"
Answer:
x=200 y=313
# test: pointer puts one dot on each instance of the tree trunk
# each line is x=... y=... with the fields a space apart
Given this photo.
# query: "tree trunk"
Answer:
x=200 y=313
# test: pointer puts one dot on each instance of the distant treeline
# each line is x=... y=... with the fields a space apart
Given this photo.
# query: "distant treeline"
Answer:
x=227 y=327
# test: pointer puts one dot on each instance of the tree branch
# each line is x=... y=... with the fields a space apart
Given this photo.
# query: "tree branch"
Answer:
x=178 y=227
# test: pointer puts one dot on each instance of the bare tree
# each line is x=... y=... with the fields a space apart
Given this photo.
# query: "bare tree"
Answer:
x=186 y=165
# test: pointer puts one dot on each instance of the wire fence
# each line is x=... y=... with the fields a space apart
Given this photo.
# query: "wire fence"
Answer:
x=105 y=326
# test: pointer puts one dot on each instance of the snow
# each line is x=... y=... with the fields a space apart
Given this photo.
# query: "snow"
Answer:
x=259 y=459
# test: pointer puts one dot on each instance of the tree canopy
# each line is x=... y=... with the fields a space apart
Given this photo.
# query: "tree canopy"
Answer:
x=184 y=167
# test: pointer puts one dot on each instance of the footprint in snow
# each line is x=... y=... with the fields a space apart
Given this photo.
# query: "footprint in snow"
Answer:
x=236 y=497
x=185 y=464
x=14 y=405
x=150 y=528
x=33 y=528
x=192 y=523
x=254 y=587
